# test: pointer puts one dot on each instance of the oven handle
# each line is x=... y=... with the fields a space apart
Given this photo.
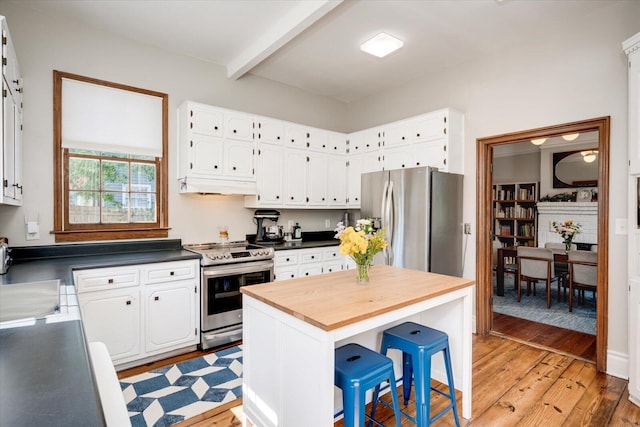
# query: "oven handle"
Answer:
x=239 y=268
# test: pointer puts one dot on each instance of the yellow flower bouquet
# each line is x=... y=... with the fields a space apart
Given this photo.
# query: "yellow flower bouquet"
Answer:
x=361 y=243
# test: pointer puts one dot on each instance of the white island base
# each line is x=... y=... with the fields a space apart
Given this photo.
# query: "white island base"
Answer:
x=288 y=343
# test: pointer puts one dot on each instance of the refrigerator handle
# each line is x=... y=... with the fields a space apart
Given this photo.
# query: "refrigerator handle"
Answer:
x=383 y=207
x=389 y=220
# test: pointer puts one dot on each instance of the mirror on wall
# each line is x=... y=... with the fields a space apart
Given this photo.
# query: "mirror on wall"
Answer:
x=575 y=169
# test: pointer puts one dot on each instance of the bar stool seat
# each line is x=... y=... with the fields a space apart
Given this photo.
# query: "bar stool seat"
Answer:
x=358 y=369
x=418 y=344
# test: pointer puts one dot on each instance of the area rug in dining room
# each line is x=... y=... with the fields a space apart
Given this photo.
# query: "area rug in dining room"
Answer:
x=174 y=393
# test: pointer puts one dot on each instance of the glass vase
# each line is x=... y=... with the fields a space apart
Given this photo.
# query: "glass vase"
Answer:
x=363 y=273
x=567 y=244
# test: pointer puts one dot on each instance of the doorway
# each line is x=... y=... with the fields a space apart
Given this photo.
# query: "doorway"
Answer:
x=484 y=270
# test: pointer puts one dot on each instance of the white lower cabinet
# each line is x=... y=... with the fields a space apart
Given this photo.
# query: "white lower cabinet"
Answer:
x=289 y=264
x=113 y=317
x=143 y=310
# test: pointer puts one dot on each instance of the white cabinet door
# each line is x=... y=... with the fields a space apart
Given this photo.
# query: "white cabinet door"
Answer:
x=359 y=164
x=270 y=131
x=285 y=273
x=330 y=267
x=317 y=169
x=295 y=166
x=365 y=140
x=205 y=120
x=170 y=315
x=238 y=126
x=429 y=126
x=634 y=112
x=310 y=269
x=295 y=136
x=270 y=175
x=337 y=143
x=337 y=181
x=397 y=134
x=433 y=153
x=10 y=189
x=634 y=340
x=318 y=140
x=113 y=317
x=238 y=160
x=205 y=156
x=398 y=157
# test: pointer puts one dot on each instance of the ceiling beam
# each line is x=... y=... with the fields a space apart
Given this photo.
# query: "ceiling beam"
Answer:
x=305 y=14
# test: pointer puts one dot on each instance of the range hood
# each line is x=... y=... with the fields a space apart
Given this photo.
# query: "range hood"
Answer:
x=216 y=186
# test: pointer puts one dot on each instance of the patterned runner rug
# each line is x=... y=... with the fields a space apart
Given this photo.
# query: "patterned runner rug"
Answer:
x=173 y=393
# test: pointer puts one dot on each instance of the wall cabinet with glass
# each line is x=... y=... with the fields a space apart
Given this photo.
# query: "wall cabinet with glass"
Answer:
x=514 y=213
x=11 y=123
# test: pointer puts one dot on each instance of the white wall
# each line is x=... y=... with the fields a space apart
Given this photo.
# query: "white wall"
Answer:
x=44 y=44
x=574 y=72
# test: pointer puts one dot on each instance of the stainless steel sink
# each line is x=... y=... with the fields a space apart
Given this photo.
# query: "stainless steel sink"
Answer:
x=29 y=300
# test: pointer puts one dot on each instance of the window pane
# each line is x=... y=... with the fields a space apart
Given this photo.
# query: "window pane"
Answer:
x=109 y=154
x=115 y=207
x=143 y=207
x=79 y=151
x=84 y=174
x=115 y=175
x=84 y=207
x=143 y=177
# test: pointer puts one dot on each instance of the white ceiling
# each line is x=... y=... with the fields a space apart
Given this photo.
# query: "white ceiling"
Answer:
x=314 y=44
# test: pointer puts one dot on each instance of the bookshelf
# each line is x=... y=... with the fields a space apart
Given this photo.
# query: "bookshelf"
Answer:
x=514 y=213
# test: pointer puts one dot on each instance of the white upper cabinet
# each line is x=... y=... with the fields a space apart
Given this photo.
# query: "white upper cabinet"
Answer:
x=11 y=123
x=295 y=136
x=318 y=140
x=269 y=131
x=397 y=134
x=270 y=165
x=295 y=182
x=215 y=150
x=317 y=179
x=337 y=143
x=428 y=127
x=238 y=126
x=337 y=180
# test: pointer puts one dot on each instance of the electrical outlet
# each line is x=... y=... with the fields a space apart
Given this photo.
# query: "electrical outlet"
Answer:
x=327 y=223
x=32 y=230
x=467 y=228
x=621 y=226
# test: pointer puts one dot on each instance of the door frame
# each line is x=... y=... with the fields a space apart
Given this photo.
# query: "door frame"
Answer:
x=484 y=160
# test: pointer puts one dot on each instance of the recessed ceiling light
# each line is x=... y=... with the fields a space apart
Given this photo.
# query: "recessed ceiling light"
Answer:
x=381 y=45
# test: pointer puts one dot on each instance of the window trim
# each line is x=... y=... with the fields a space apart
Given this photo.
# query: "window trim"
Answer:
x=63 y=232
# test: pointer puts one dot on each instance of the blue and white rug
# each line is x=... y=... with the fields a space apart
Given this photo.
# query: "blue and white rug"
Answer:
x=170 y=394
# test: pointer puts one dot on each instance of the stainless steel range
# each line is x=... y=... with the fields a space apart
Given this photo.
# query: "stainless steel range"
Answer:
x=225 y=269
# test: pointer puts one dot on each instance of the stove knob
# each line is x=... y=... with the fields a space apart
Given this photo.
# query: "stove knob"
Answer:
x=228 y=256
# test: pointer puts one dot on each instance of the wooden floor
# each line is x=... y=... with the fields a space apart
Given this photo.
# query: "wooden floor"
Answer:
x=564 y=340
x=513 y=384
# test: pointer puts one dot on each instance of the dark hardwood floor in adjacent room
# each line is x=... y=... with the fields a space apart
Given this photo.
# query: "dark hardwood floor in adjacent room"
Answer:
x=513 y=384
x=563 y=340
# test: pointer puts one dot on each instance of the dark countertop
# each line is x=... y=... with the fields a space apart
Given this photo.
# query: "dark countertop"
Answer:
x=305 y=244
x=45 y=372
x=46 y=377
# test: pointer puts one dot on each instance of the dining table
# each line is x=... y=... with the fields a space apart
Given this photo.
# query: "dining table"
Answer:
x=512 y=252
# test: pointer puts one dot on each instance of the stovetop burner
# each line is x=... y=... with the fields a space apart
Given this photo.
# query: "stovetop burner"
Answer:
x=228 y=253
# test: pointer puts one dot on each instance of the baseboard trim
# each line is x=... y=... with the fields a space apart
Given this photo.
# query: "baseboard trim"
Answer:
x=618 y=364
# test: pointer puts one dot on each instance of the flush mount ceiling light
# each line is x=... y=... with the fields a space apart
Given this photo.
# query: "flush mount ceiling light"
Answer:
x=538 y=141
x=381 y=45
x=570 y=136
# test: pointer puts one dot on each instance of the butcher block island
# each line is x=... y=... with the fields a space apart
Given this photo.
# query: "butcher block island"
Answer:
x=292 y=327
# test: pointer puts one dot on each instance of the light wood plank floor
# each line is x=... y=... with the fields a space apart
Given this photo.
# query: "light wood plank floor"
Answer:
x=513 y=384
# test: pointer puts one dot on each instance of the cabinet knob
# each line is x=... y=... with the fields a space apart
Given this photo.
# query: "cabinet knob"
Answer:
x=235 y=131
x=128 y=302
x=215 y=128
x=403 y=138
x=291 y=197
x=278 y=138
x=417 y=135
x=156 y=298
x=234 y=168
x=277 y=197
x=403 y=165
x=287 y=259
x=172 y=273
x=417 y=163
x=313 y=256
x=215 y=166
x=306 y=274
x=110 y=281
x=323 y=199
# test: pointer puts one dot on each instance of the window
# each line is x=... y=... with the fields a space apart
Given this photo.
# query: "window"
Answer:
x=110 y=160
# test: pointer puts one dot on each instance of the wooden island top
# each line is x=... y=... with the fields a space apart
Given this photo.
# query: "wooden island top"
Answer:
x=333 y=300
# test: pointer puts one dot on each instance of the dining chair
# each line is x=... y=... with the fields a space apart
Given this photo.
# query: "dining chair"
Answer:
x=534 y=265
x=562 y=268
x=583 y=274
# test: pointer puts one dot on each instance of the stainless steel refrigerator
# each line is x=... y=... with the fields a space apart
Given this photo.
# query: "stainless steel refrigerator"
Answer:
x=421 y=211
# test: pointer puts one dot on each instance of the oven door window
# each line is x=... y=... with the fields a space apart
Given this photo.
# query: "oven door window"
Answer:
x=224 y=292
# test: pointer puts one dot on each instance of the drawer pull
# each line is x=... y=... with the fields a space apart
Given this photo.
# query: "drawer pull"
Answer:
x=313 y=257
x=171 y=273
x=287 y=259
x=129 y=302
x=156 y=298
x=110 y=281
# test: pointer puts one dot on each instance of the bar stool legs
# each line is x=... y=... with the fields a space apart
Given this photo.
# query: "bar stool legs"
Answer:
x=358 y=369
x=418 y=344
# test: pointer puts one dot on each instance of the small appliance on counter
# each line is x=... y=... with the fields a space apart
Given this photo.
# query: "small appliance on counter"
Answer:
x=270 y=232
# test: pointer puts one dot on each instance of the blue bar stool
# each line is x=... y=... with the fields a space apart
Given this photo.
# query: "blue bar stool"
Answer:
x=418 y=344
x=357 y=369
